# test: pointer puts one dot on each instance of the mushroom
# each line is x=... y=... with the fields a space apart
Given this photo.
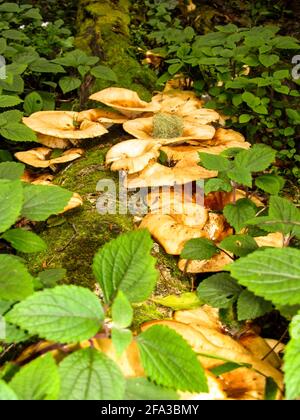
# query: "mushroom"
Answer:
x=213 y=265
x=126 y=101
x=64 y=125
x=216 y=201
x=177 y=102
x=41 y=157
x=168 y=129
x=156 y=175
x=132 y=155
x=106 y=118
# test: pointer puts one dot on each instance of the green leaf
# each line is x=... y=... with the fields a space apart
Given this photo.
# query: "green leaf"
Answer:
x=188 y=300
x=174 y=68
x=14 y=34
x=241 y=176
x=49 y=278
x=293 y=115
x=270 y=183
x=269 y=60
x=142 y=389
x=228 y=367
x=25 y=241
x=68 y=84
x=11 y=201
x=3 y=45
x=271 y=273
x=169 y=360
x=214 y=162
x=199 y=249
x=9 y=8
x=121 y=339
x=237 y=214
x=219 y=290
x=7 y=101
x=104 y=73
x=39 y=380
x=292 y=361
x=239 y=245
x=250 y=306
x=256 y=159
x=217 y=184
x=122 y=312
x=271 y=389
x=15 y=281
x=42 y=65
x=41 y=201
x=15 y=335
x=245 y=118
x=33 y=103
x=126 y=264
x=18 y=132
x=65 y=314
x=283 y=210
x=5 y=155
x=11 y=170
x=88 y=375
x=6 y=393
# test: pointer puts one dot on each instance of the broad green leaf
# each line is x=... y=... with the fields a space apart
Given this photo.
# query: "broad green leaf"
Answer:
x=217 y=184
x=5 y=155
x=219 y=290
x=25 y=241
x=12 y=116
x=293 y=115
x=5 y=305
x=66 y=314
x=33 y=103
x=269 y=60
x=39 y=380
x=239 y=245
x=214 y=162
x=199 y=249
x=76 y=58
x=237 y=214
x=9 y=101
x=287 y=213
x=271 y=273
x=18 y=132
x=88 y=375
x=49 y=278
x=142 y=389
x=250 y=306
x=292 y=361
x=169 y=360
x=121 y=339
x=11 y=200
x=271 y=389
x=6 y=393
x=14 y=34
x=9 y=8
x=256 y=159
x=15 y=281
x=3 y=45
x=104 y=73
x=186 y=300
x=15 y=335
x=126 y=264
x=11 y=170
x=68 y=84
x=270 y=183
x=42 y=201
x=244 y=118
x=42 y=65
x=228 y=367
x=122 y=312
x=240 y=175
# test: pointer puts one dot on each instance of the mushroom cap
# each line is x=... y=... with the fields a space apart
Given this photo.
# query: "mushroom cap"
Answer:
x=53 y=142
x=177 y=102
x=62 y=124
x=227 y=135
x=156 y=175
x=217 y=200
x=132 y=155
x=107 y=118
x=213 y=265
x=75 y=202
x=202 y=116
x=142 y=128
x=41 y=157
x=37 y=179
x=125 y=101
x=274 y=240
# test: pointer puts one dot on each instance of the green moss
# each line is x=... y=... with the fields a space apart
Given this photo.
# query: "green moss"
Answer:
x=167 y=126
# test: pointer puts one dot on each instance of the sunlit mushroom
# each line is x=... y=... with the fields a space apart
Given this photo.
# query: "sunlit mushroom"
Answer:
x=216 y=201
x=214 y=265
x=126 y=101
x=106 y=118
x=41 y=157
x=177 y=102
x=132 y=155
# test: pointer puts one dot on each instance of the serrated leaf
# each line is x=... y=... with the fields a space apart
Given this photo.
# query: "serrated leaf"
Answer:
x=270 y=183
x=11 y=170
x=33 y=103
x=104 y=73
x=237 y=214
x=39 y=380
x=169 y=360
x=269 y=60
x=49 y=278
x=214 y=162
x=271 y=273
x=217 y=184
x=90 y=375
x=18 y=132
x=287 y=213
x=68 y=84
x=239 y=245
x=42 y=65
x=121 y=339
x=15 y=281
x=42 y=201
x=250 y=306
x=15 y=335
x=199 y=249
x=126 y=264
x=6 y=393
x=11 y=201
x=256 y=159
x=7 y=101
x=122 y=312
x=292 y=361
x=186 y=300
x=142 y=389
x=66 y=314
x=241 y=176
x=25 y=241
x=219 y=290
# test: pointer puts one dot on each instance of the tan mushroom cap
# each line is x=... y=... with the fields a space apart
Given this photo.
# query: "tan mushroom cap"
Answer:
x=62 y=124
x=156 y=175
x=178 y=102
x=40 y=157
x=75 y=202
x=214 y=265
x=36 y=179
x=216 y=201
x=132 y=155
x=107 y=118
x=125 y=101
x=53 y=142
x=142 y=128
x=274 y=240
x=227 y=135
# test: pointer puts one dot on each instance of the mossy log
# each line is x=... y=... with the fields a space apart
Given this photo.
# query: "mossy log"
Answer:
x=103 y=29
